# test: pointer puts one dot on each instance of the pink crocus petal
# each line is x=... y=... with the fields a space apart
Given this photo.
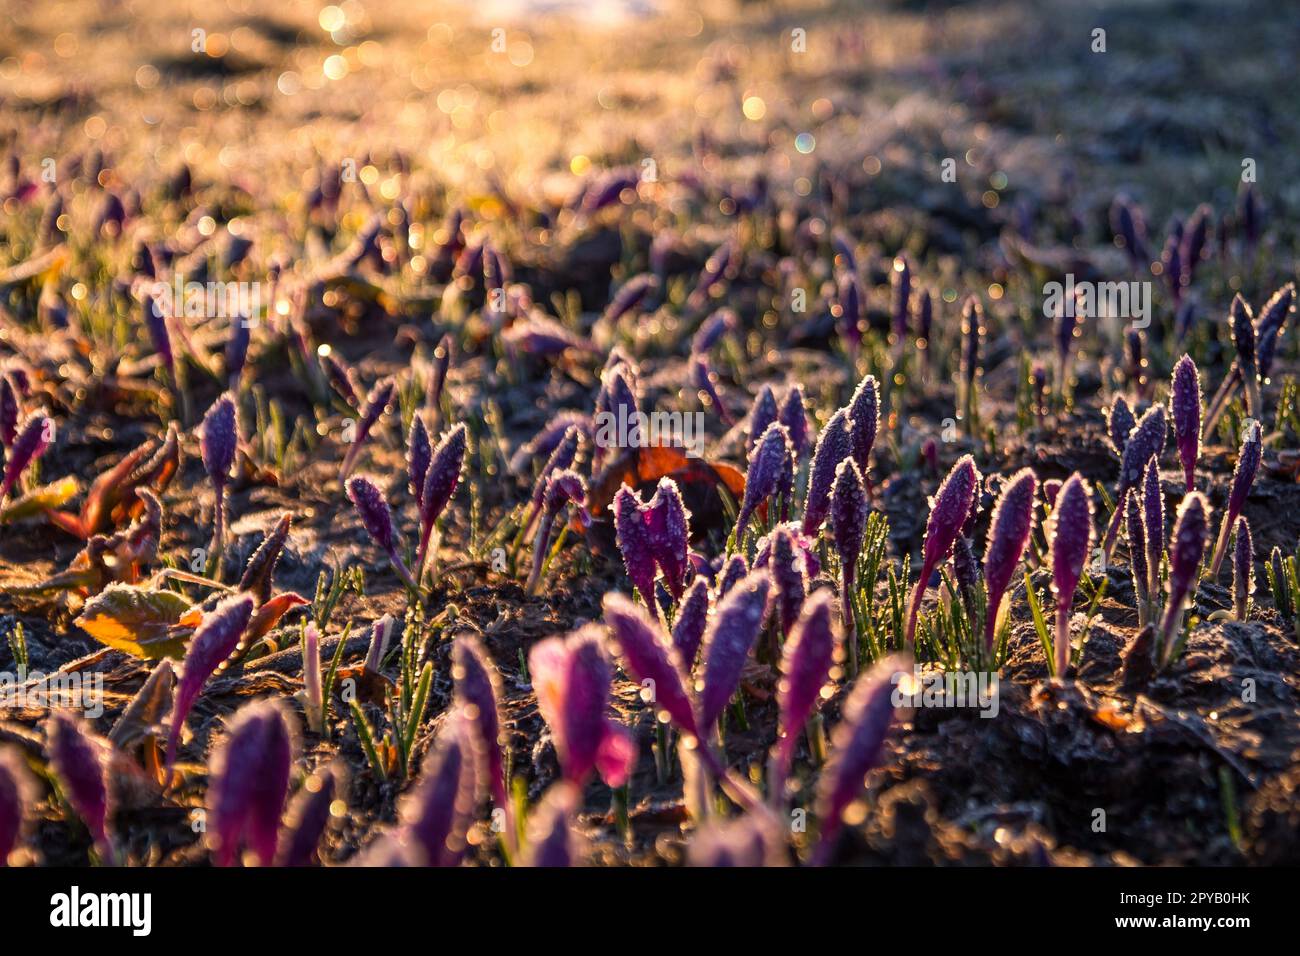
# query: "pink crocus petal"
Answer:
x=1010 y=528
x=648 y=655
x=31 y=442
x=669 y=531
x=616 y=755
x=571 y=677
x=633 y=539
x=212 y=644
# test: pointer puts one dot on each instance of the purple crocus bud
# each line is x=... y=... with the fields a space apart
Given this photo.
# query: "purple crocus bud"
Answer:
x=1153 y=523
x=702 y=378
x=220 y=439
x=1147 y=439
x=1243 y=570
x=377 y=518
x=668 y=524
x=1171 y=260
x=633 y=539
x=1243 y=476
x=1069 y=541
x=17 y=793
x=155 y=321
x=237 y=350
x=849 y=511
x=1137 y=551
x=852 y=318
x=440 y=483
x=571 y=677
x=630 y=296
x=1129 y=228
x=341 y=379
x=1009 y=531
x=1186 y=548
x=1243 y=337
x=856 y=744
x=1272 y=318
x=692 y=618
x=436 y=814
x=864 y=410
x=1119 y=424
x=834 y=444
x=250 y=781
x=795 y=419
x=1194 y=240
x=786 y=566
x=376 y=403
x=562 y=458
x=33 y=439
x=1185 y=408
x=10 y=411
x=901 y=297
x=763 y=413
x=949 y=509
x=650 y=657
x=712 y=330
x=478 y=689
x=309 y=815
x=732 y=573
x=806 y=664
x=763 y=479
x=732 y=631
x=79 y=760
x=419 y=453
x=553 y=840
x=213 y=642
x=924 y=321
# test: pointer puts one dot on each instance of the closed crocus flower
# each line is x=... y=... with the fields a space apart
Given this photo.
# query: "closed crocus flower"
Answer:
x=834 y=444
x=849 y=511
x=436 y=813
x=763 y=414
x=1069 y=538
x=419 y=452
x=733 y=630
x=377 y=518
x=949 y=510
x=478 y=690
x=563 y=488
x=633 y=538
x=32 y=440
x=1243 y=477
x=668 y=523
x=553 y=839
x=1243 y=338
x=794 y=417
x=1147 y=439
x=864 y=410
x=1186 y=549
x=309 y=816
x=1153 y=521
x=79 y=760
x=445 y=467
x=1119 y=424
x=250 y=782
x=213 y=642
x=752 y=840
x=806 y=664
x=218 y=444
x=651 y=658
x=17 y=792
x=1009 y=530
x=1137 y=553
x=789 y=577
x=692 y=618
x=763 y=478
x=375 y=405
x=562 y=457
x=1185 y=409
x=856 y=744
x=900 y=297
x=571 y=677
